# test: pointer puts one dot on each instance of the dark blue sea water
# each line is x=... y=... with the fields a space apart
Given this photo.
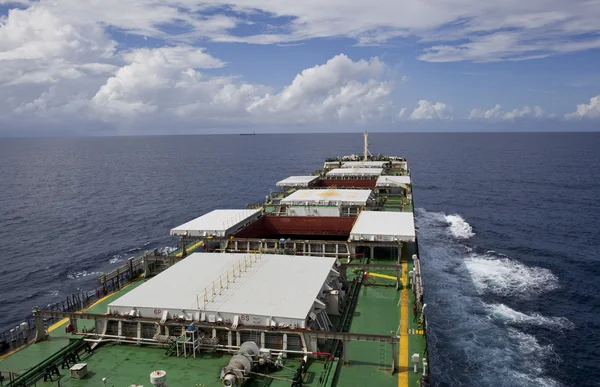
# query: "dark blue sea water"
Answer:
x=508 y=226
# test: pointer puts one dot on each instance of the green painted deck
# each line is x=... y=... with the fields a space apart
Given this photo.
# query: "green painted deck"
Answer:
x=34 y=354
x=377 y=311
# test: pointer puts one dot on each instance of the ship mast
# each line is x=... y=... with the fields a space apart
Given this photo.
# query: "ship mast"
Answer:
x=366 y=146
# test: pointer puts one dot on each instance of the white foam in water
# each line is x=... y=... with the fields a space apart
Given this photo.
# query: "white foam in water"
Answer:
x=459 y=227
x=477 y=344
x=506 y=277
x=510 y=316
x=534 y=355
x=83 y=273
x=115 y=258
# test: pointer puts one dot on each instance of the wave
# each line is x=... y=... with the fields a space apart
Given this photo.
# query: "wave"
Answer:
x=500 y=275
x=509 y=316
x=115 y=258
x=83 y=273
x=456 y=225
x=473 y=342
x=459 y=227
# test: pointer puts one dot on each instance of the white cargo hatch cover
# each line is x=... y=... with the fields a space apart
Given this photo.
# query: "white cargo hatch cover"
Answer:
x=281 y=287
x=297 y=181
x=355 y=172
x=393 y=181
x=328 y=197
x=216 y=223
x=383 y=226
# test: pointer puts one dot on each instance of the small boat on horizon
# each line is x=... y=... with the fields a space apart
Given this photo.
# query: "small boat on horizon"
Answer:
x=248 y=134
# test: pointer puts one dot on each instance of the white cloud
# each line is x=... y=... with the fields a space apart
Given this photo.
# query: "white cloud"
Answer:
x=449 y=30
x=497 y=113
x=339 y=89
x=167 y=85
x=591 y=110
x=429 y=111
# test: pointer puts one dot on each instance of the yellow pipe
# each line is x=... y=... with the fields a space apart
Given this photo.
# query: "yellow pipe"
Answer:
x=382 y=276
x=192 y=247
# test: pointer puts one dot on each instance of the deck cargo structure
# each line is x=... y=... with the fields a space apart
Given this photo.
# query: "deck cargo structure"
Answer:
x=319 y=285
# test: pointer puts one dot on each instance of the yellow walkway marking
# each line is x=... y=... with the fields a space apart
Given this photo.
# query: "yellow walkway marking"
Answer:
x=382 y=276
x=403 y=355
x=65 y=320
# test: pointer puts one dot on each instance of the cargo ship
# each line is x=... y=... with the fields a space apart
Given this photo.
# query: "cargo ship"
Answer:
x=319 y=285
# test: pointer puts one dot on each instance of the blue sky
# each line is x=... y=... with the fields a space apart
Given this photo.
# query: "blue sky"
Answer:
x=83 y=67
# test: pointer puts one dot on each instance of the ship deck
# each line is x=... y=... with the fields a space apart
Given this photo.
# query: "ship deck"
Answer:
x=380 y=310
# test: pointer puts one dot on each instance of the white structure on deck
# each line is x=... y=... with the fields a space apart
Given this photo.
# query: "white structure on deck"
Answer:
x=239 y=289
x=218 y=223
x=325 y=202
x=328 y=197
x=352 y=172
x=364 y=164
x=384 y=226
x=393 y=181
x=297 y=181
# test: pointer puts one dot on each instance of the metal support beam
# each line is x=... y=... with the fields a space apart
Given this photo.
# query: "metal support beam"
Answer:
x=40 y=332
x=395 y=367
x=183 y=250
x=345 y=352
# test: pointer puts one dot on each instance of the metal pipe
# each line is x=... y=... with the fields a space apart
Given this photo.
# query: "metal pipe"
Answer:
x=116 y=337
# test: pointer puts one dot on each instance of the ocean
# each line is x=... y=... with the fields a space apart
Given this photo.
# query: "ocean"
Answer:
x=509 y=230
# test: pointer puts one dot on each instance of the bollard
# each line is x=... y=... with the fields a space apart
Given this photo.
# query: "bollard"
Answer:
x=415 y=359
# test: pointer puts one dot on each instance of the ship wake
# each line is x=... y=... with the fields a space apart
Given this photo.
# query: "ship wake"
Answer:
x=475 y=337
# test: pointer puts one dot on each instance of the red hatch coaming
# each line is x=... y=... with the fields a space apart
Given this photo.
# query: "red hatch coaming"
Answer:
x=358 y=183
x=272 y=226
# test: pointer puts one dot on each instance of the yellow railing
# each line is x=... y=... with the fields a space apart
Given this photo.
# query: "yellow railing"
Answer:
x=226 y=279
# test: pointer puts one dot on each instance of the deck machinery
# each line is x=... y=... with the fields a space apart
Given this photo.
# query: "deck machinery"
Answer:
x=321 y=275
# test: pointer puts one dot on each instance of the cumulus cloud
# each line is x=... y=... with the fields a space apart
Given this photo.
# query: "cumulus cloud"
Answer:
x=454 y=30
x=340 y=89
x=590 y=110
x=427 y=110
x=497 y=113
x=174 y=84
x=136 y=87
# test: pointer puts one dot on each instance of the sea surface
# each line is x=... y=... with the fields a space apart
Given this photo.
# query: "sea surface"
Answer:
x=509 y=230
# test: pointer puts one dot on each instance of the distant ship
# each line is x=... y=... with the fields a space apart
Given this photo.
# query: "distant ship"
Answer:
x=248 y=134
x=311 y=288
